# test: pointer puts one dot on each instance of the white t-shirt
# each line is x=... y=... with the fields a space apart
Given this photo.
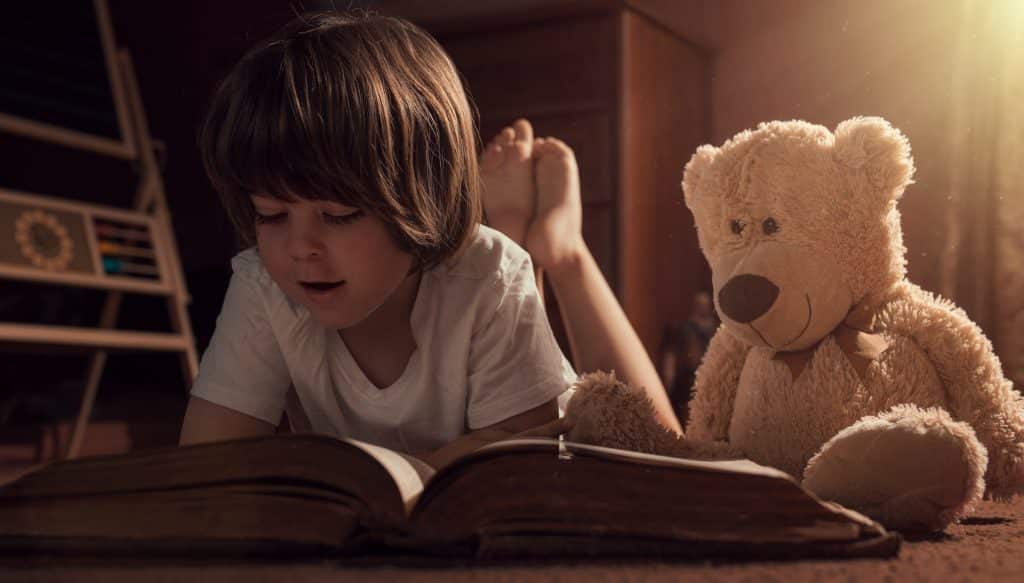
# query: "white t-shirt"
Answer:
x=485 y=352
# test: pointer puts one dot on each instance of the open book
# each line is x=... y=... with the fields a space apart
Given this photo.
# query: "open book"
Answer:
x=309 y=495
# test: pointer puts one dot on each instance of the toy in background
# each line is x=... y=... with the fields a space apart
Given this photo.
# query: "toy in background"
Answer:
x=829 y=364
x=682 y=347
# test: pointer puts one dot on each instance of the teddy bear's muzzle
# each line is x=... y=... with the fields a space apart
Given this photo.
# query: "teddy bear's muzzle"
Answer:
x=747 y=297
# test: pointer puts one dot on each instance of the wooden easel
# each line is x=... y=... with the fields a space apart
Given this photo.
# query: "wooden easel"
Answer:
x=148 y=222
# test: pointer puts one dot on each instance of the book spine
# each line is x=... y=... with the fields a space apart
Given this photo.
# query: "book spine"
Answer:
x=506 y=547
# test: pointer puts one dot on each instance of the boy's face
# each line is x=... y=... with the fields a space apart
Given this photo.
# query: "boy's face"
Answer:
x=337 y=261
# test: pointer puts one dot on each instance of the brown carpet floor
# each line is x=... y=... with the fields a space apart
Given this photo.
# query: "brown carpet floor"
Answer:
x=986 y=547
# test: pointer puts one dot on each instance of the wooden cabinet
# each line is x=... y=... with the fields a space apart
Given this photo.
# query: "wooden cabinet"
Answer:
x=631 y=98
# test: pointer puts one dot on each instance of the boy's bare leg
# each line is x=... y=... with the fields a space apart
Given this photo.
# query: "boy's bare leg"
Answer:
x=506 y=168
x=600 y=335
x=532 y=195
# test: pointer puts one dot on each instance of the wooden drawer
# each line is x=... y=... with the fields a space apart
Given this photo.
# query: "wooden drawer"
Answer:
x=540 y=69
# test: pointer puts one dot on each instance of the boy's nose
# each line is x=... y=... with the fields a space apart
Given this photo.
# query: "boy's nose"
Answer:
x=304 y=243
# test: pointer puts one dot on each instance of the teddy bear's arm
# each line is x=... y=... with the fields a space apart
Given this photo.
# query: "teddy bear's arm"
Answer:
x=717 y=378
x=976 y=390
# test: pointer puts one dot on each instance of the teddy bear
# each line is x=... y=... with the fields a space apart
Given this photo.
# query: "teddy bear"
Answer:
x=829 y=364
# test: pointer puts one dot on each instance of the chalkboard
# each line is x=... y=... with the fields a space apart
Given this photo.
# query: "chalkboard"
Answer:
x=54 y=70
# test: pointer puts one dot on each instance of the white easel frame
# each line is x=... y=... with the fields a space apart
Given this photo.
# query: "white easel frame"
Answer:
x=150 y=206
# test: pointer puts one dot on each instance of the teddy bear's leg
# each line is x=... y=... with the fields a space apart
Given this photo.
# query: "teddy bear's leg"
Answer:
x=909 y=468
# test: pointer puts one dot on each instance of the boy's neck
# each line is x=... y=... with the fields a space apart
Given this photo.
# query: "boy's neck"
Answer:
x=383 y=343
x=393 y=316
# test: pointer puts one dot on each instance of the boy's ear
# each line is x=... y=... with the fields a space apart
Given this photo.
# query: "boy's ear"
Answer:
x=695 y=170
x=872 y=148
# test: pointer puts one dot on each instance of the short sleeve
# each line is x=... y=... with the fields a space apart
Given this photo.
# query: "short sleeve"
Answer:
x=515 y=363
x=243 y=368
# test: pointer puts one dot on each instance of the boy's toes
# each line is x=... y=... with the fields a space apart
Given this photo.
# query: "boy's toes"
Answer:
x=553 y=149
x=523 y=131
x=492 y=157
x=515 y=140
x=521 y=145
x=494 y=154
x=506 y=136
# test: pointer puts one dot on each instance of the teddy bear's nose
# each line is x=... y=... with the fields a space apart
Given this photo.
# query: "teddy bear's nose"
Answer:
x=746 y=297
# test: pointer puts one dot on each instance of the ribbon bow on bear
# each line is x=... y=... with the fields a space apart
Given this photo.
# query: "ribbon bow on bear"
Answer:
x=855 y=337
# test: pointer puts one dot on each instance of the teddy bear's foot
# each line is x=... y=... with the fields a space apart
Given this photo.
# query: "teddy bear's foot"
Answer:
x=910 y=469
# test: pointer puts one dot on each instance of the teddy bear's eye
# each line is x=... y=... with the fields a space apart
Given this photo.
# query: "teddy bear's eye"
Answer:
x=737 y=226
x=769 y=226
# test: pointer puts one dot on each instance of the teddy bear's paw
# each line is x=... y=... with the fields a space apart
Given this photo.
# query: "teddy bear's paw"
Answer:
x=607 y=412
x=1008 y=489
x=910 y=468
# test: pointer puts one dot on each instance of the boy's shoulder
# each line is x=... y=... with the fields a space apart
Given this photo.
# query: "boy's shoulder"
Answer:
x=248 y=265
x=247 y=262
x=488 y=254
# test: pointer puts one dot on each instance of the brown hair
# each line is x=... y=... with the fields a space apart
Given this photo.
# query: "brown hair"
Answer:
x=358 y=108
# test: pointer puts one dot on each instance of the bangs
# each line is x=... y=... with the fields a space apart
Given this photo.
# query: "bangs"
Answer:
x=286 y=139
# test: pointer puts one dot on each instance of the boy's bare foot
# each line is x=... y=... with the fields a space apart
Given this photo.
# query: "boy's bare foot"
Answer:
x=506 y=167
x=555 y=236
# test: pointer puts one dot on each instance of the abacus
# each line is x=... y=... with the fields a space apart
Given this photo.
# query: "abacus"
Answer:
x=50 y=240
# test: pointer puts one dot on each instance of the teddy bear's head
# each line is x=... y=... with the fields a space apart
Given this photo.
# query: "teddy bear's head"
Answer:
x=799 y=225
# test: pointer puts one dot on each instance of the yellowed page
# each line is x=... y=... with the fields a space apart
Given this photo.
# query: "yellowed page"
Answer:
x=409 y=474
x=727 y=466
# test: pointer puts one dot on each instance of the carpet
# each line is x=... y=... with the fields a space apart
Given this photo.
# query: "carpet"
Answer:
x=986 y=547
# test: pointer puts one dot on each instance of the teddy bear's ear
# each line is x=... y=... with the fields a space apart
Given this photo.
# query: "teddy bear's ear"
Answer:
x=695 y=169
x=876 y=150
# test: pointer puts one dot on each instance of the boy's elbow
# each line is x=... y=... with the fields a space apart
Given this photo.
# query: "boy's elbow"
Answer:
x=531 y=419
x=205 y=422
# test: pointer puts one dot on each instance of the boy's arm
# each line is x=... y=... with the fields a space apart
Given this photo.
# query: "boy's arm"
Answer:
x=600 y=335
x=243 y=378
x=206 y=421
x=540 y=421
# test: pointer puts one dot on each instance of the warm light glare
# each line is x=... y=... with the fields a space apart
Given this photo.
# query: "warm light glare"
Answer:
x=1009 y=24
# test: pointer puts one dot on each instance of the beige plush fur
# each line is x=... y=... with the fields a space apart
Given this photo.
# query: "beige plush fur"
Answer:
x=801 y=230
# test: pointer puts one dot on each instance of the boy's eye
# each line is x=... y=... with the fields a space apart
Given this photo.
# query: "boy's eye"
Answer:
x=274 y=218
x=342 y=219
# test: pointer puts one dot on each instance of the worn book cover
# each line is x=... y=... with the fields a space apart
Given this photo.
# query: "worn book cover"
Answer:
x=303 y=495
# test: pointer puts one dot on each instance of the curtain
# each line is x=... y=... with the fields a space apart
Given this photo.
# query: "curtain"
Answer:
x=983 y=267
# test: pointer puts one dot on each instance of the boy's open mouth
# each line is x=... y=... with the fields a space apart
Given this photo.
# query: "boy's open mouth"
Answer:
x=320 y=285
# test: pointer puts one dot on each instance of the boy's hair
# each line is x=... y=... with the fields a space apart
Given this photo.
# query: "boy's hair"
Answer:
x=358 y=108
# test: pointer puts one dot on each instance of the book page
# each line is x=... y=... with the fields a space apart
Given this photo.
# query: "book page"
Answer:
x=734 y=466
x=409 y=473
